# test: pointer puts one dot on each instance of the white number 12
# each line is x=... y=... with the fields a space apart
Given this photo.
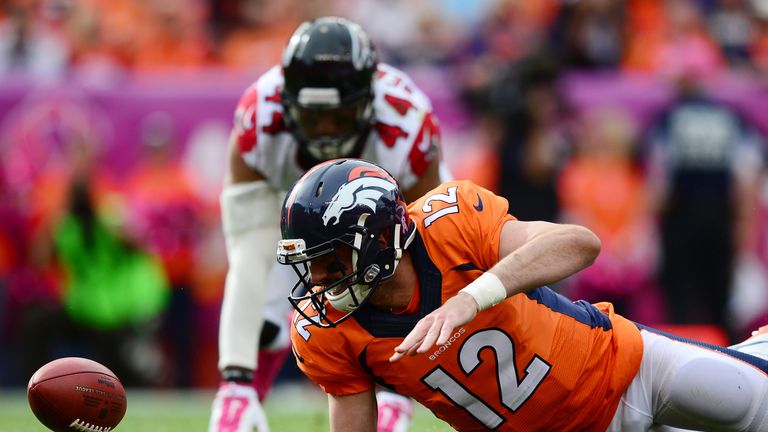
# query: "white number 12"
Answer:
x=449 y=198
x=513 y=391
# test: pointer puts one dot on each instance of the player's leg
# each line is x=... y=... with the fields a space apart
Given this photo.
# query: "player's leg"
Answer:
x=701 y=387
x=395 y=411
x=275 y=341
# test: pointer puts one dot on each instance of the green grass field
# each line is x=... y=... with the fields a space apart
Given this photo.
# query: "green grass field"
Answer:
x=290 y=408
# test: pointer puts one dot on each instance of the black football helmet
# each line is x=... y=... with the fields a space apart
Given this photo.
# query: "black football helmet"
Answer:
x=329 y=66
x=343 y=202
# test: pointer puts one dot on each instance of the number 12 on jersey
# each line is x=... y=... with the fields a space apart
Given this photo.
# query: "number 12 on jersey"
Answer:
x=450 y=198
x=514 y=392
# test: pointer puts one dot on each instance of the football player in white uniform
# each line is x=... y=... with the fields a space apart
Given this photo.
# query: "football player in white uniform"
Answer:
x=329 y=98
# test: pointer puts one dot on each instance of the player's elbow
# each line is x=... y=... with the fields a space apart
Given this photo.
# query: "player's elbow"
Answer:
x=579 y=243
x=588 y=243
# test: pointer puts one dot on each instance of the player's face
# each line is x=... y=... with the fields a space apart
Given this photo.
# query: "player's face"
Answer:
x=331 y=268
x=315 y=123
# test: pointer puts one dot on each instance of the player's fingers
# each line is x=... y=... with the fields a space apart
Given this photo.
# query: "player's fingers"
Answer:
x=430 y=338
x=414 y=338
x=446 y=330
x=396 y=356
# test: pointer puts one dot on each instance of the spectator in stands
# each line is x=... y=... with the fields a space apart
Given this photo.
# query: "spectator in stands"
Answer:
x=758 y=50
x=603 y=187
x=666 y=38
x=703 y=160
x=165 y=217
x=29 y=47
x=733 y=29
x=533 y=139
x=112 y=293
x=590 y=34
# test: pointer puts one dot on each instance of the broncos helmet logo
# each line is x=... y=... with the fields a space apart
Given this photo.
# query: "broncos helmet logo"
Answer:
x=359 y=191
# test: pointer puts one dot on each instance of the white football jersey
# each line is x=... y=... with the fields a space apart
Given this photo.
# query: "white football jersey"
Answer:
x=403 y=139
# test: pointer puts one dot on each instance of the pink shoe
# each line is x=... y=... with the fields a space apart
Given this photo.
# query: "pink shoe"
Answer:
x=395 y=412
x=269 y=364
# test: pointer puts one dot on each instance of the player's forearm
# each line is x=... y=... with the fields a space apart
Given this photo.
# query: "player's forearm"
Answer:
x=533 y=254
x=552 y=253
x=353 y=413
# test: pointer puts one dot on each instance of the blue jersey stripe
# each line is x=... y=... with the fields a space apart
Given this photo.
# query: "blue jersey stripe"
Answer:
x=582 y=311
x=757 y=362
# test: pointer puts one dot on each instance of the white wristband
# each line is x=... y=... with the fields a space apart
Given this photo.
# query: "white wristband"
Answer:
x=487 y=290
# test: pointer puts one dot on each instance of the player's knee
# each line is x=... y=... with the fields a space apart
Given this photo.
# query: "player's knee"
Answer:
x=711 y=391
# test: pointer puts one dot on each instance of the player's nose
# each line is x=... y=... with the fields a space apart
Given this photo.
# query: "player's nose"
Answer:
x=326 y=125
x=319 y=273
x=324 y=273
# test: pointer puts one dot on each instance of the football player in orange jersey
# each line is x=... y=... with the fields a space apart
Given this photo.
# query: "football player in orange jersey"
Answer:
x=445 y=300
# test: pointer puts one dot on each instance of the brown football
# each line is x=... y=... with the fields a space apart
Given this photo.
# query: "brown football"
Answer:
x=76 y=394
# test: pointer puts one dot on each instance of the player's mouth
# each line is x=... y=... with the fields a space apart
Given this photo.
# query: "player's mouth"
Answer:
x=339 y=290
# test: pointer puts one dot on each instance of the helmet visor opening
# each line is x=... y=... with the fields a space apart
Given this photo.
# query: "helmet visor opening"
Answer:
x=317 y=122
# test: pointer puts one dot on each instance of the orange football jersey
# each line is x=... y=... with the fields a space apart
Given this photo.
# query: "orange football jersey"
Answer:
x=534 y=362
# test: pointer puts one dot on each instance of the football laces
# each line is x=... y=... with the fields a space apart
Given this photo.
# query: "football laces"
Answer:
x=82 y=426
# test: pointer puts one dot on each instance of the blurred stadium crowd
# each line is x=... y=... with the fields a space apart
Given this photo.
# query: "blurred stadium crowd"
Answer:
x=644 y=120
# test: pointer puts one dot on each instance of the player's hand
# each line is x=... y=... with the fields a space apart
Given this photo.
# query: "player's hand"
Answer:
x=236 y=408
x=438 y=326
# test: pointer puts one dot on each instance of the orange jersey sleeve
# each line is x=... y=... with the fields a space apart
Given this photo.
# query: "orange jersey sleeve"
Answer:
x=331 y=363
x=462 y=224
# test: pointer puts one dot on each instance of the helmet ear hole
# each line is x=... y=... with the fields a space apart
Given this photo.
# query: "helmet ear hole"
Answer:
x=319 y=189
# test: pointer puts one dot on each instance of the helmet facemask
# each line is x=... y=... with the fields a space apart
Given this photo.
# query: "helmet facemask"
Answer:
x=325 y=128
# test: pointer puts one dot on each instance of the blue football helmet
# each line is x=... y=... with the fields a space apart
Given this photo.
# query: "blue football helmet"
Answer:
x=347 y=202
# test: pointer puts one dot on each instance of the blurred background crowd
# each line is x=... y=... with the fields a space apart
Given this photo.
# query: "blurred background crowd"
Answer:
x=645 y=120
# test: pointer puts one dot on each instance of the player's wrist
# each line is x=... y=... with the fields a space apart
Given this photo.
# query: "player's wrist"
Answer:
x=238 y=375
x=487 y=290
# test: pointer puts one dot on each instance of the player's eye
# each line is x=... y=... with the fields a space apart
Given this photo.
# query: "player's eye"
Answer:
x=336 y=267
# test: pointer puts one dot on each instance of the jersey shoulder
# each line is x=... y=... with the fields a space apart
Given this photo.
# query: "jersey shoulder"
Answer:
x=261 y=134
x=392 y=85
x=464 y=199
x=259 y=112
x=406 y=133
x=461 y=222
x=327 y=356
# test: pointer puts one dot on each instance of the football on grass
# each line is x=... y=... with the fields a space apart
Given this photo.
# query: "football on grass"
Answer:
x=76 y=394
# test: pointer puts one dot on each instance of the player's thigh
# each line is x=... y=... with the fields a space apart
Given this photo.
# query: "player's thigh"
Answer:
x=693 y=387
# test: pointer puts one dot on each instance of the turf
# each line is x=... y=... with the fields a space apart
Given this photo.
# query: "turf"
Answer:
x=289 y=408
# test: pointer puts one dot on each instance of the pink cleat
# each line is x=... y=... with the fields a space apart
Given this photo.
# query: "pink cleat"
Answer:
x=395 y=412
